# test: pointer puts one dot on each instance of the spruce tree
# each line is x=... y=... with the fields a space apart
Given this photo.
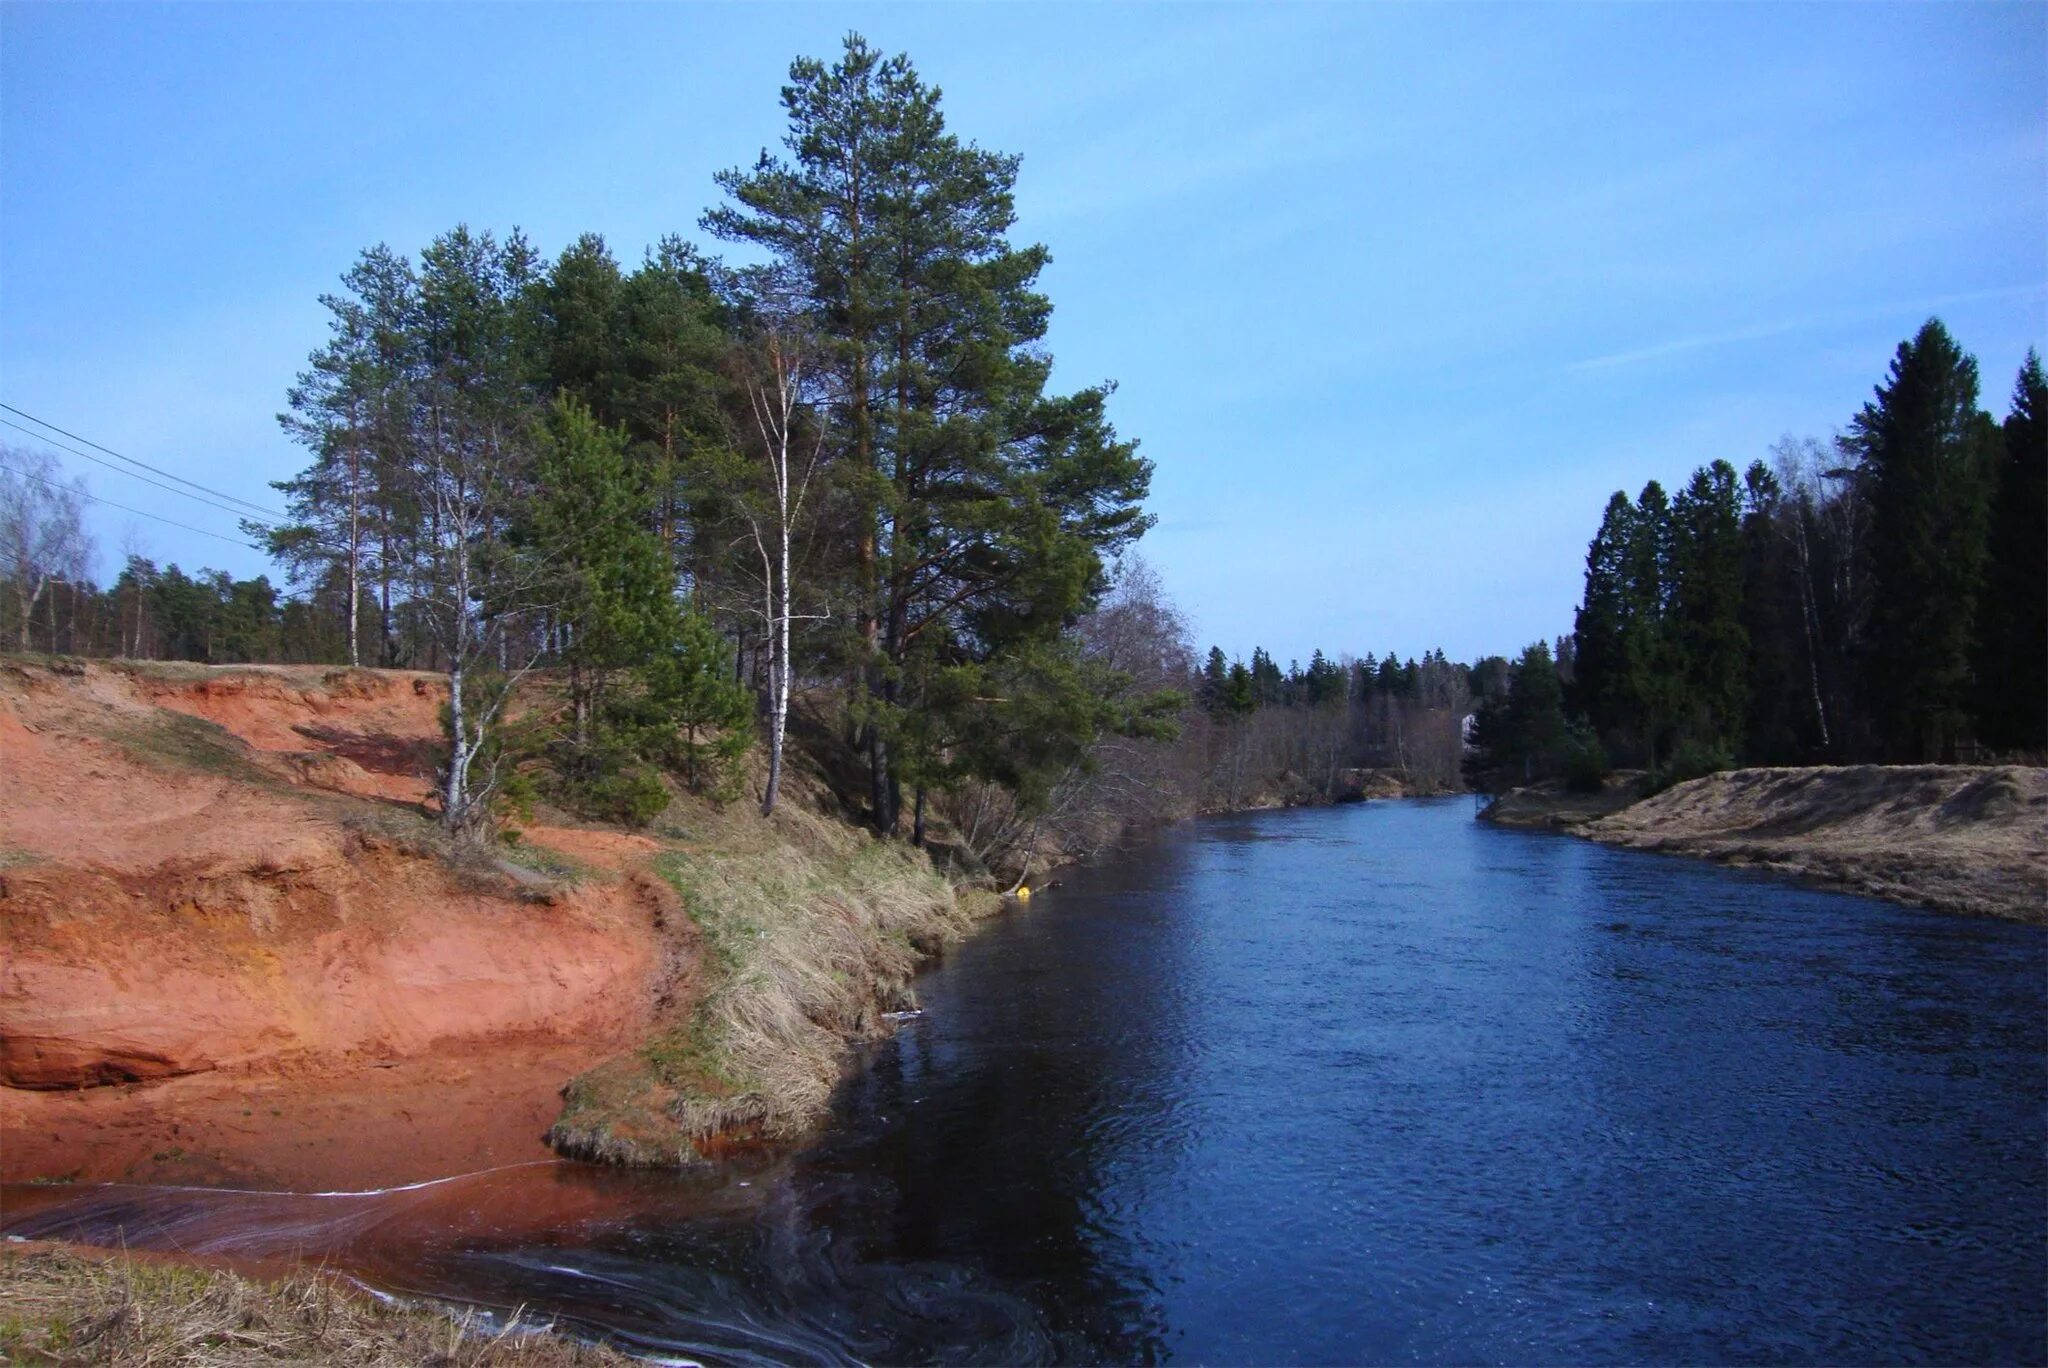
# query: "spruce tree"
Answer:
x=1240 y=694
x=2012 y=660
x=1709 y=647
x=1215 y=680
x=1653 y=687
x=1922 y=446
x=1535 y=727
x=1600 y=661
x=1775 y=724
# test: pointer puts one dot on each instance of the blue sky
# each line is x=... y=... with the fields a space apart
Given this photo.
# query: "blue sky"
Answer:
x=1395 y=294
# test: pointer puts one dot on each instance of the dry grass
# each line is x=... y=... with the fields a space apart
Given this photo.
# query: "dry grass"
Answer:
x=58 y=1306
x=809 y=931
x=1960 y=838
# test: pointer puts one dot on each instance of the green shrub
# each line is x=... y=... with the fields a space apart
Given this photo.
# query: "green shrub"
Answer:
x=1693 y=760
x=606 y=783
x=690 y=715
x=1583 y=760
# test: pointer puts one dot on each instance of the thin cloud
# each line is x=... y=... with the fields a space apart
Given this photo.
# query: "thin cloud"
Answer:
x=1759 y=331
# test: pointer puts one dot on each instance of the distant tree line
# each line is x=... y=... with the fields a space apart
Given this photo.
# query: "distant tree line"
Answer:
x=1302 y=732
x=1883 y=597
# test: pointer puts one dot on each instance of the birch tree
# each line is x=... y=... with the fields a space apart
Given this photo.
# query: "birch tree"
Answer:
x=42 y=528
x=790 y=442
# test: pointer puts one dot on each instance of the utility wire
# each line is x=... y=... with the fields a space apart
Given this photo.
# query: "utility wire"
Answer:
x=173 y=489
x=70 y=489
x=157 y=470
x=272 y=521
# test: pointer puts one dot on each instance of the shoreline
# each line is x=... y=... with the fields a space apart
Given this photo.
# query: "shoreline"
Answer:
x=1968 y=840
x=70 y=1303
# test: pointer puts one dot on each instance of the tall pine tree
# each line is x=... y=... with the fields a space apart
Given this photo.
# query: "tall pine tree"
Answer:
x=984 y=505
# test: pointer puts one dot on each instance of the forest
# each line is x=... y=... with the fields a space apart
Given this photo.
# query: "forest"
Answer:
x=1879 y=597
x=831 y=494
x=829 y=489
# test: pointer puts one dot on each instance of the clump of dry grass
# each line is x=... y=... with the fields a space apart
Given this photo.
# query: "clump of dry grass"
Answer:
x=58 y=1306
x=810 y=932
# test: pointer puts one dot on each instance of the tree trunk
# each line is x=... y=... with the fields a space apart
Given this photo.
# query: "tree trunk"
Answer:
x=1807 y=614
x=387 y=646
x=28 y=606
x=454 y=785
x=781 y=669
x=355 y=549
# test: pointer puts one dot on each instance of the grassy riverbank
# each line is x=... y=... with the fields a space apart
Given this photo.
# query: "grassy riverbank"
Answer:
x=796 y=936
x=69 y=1306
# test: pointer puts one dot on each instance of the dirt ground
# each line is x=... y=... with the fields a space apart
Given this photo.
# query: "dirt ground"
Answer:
x=301 y=1129
x=233 y=952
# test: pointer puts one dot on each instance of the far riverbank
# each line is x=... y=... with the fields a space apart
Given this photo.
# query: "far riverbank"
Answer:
x=1960 y=838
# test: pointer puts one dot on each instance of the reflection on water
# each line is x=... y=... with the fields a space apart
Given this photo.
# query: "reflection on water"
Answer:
x=1374 y=1084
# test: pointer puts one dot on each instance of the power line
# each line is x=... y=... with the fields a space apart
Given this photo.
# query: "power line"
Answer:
x=172 y=489
x=194 y=484
x=68 y=489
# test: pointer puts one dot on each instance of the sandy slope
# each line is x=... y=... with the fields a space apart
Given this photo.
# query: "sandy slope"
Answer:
x=231 y=949
x=1961 y=838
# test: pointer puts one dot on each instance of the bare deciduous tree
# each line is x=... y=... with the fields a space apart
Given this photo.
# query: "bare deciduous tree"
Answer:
x=42 y=527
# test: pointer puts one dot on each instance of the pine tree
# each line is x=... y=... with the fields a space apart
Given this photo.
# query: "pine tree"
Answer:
x=588 y=525
x=348 y=407
x=675 y=338
x=983 y=505
x=696 y=717
x=1922 y=445
x=578 y=311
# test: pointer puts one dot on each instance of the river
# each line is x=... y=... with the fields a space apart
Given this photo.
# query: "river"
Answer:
x=1368 y=1084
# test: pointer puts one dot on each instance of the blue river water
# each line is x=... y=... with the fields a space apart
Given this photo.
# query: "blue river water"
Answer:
x=1373 y=1084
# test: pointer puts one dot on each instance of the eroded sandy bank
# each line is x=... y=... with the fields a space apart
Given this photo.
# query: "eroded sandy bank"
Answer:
x=238 y=952
x=1960 y=838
